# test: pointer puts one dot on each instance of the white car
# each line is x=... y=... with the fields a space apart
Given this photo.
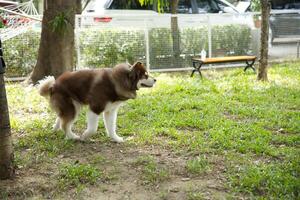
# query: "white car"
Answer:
x=121 y=12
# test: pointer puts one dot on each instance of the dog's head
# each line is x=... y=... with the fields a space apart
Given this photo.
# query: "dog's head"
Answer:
x=139 y=77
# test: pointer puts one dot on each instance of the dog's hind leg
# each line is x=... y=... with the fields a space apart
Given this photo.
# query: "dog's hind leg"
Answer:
x=110 y=120
x=66 y=125
x=92 y=125
x=56 y=125
x=67 y=112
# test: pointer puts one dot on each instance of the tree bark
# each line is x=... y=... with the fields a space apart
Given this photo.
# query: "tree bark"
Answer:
x=6 y=149
x=175 y=33
x=78 y=7
x=56 y=50
x=264 y=48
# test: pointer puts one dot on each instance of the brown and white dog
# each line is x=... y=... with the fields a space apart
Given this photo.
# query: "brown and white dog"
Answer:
x=103 y=90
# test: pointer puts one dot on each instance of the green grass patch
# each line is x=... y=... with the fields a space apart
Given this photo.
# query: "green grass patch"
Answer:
x=192 y=195
x=77 y=175
x=253 y=126
x=152 y=173
x=276 y=180
x=197 y=166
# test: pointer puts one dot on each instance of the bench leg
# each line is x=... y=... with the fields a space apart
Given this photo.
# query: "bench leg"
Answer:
x=249 y=65
x=193 y=72
x=197 y=68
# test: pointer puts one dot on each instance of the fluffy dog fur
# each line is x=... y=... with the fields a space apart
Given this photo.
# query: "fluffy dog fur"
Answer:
x=103 y=90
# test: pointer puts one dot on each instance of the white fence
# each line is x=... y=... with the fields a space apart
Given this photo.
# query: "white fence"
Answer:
x=103 y=41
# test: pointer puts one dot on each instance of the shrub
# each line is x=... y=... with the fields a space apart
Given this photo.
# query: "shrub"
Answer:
x=20 y=53
x=107 y=47
x=230 y=40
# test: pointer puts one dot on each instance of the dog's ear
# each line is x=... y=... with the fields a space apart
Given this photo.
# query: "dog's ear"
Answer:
x=133 y=76
x=135 y=73
x=136 y=70
x=138 y=64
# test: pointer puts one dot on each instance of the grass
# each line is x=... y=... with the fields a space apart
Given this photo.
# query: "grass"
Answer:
x=195 y=196
x=198 y=165
x=151 y=172
x=251 y=127
x=269 y=180
x=76 y=174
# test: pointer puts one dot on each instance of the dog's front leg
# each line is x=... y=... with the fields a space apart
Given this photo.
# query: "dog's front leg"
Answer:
x=92 y=125
x=110 y=121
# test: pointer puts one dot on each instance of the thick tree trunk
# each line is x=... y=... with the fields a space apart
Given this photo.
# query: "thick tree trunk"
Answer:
x=6 y=150
x=264 y=48
x=175 y=33
x=78 y=7
x=56 y=50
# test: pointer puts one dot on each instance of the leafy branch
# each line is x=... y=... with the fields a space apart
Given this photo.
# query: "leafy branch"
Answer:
x=60 y=22
x=255 y=5
x=160 y=4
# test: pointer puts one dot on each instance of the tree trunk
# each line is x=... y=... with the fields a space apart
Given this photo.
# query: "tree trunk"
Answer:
x=175 y=33
x=264 y=48
x=78 y=7
x=6 y=150
x=56 y=50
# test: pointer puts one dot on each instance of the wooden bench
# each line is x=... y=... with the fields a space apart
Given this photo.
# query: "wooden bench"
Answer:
x=197 y=62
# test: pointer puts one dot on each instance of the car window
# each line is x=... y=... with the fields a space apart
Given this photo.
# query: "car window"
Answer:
x=292 y=6
x=91 y=7
x=207 y=6
x=184 y=6
x=196 y=6
x=287 y=4
x=129 y=5
x=95 y=5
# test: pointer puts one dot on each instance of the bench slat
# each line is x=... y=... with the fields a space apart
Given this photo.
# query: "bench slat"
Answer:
x=197 y=62
x=226 y=59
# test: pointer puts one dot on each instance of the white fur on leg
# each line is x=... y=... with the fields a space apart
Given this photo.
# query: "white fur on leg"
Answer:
x=69 y=134
x=56 y=126
x=92 y=125
x=68 y=126
x=110 y=120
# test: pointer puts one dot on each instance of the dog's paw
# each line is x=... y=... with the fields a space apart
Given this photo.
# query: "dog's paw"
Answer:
x=72 y=137
x=55 y=127
x=83 y=138
x=129 y=138
x=87 y=134
x=118 y=139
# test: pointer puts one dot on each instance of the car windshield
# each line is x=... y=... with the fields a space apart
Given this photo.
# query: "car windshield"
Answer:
x=207 y=6
x=184 y=6
x=94 y=4
x=132 y=5
x=287 y=4
x=195 y=6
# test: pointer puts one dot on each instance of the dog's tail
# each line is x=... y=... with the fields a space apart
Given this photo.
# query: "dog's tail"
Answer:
x=45 y=85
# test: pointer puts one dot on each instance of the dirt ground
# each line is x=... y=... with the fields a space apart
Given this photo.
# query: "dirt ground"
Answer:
x=122 y=179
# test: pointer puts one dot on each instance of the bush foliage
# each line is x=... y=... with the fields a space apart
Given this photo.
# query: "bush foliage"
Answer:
x=105 y=48
x=20 y=53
